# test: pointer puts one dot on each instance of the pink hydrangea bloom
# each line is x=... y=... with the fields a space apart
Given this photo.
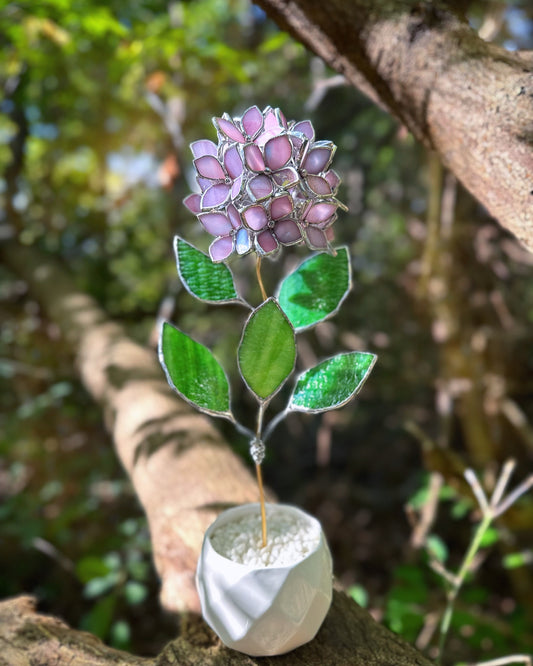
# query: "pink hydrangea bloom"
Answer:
x=267 y=183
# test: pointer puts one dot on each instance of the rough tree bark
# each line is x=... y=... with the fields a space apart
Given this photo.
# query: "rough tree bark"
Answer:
x=183 y=472
x=348 y=636
x=469 y=100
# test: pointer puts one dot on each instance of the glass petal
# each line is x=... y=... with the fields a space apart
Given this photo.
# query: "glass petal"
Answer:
x=266 y=242
x=263 y=137
x=233 y=162
x=221 y=248
x=193 y=203
x=252 y=121
x=229 y=129
x=236 y=188
x=254 y=157
x=316 y=238
x=234 y=216
x=318 y=185
x=216 y=195
x=217 y=224
x=333 y=179
x=209 y=167
x=271 y=120
x=243 y=242
x=306 y=128
x=204 y=183
x=299 y=145
x=327 y=222
x=287 y=232
x=320 y=212
x=280 y=207
x=260 y=187
x=203 y=147
x=278 y=152
x=282 y=121
x=286 y=177
x=255 y=217
x=319 y=157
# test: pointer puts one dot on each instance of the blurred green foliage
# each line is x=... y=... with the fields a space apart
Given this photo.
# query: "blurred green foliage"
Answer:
x=99 y=101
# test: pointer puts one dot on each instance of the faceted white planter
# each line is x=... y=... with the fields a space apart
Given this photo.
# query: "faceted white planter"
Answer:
x=266 y=610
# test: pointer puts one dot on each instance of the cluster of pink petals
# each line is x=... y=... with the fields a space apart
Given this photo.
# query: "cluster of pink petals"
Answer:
x=267 y=183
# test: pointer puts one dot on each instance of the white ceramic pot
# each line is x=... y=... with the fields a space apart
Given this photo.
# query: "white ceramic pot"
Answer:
x=267 y=610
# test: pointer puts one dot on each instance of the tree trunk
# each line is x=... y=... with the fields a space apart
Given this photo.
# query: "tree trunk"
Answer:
x=470 y=101
x=182 y=472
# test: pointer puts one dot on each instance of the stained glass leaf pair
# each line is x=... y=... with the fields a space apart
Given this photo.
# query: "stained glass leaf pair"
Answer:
x=310 y=294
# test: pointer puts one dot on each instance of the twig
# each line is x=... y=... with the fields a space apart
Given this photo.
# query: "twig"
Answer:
x=431 y=623
x=428 y=512
x=478 y=491
x=514 y=495
x=501 y=485
x=511 y=659
x=497 y=506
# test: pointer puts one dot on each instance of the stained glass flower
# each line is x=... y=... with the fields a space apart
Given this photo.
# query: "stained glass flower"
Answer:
x=266 y=183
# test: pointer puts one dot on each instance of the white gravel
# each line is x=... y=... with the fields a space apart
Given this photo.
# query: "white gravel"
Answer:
x=290 y=538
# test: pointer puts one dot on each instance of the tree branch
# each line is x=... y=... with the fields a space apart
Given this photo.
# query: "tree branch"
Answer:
x=348 y=636
x=181 y=469
x=470 y=101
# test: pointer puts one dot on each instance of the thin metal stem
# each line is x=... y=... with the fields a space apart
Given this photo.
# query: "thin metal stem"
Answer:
x=240 y=428
x=259 y=278
x=273 y=423
x=258 y=434
x=262 y=502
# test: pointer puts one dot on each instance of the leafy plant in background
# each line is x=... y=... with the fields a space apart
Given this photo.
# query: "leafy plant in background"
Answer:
x=117 y=578
x=408 y=603
x=266 y=184
x=484 y=534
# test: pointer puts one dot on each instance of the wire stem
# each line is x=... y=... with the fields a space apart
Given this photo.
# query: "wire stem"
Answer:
x=258 y=435
x=259 y=278
x=262 y=502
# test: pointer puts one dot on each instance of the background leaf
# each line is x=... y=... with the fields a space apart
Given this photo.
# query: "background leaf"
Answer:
x=332 y=383
x=209 y=282
x=316 y=289
x=267 y=350
x=193 y=371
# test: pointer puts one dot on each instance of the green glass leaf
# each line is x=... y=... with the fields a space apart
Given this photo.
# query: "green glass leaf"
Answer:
x=207 y=281
x=194 y=372
x=267 y=350
x=316 y=289
x=332 y=383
